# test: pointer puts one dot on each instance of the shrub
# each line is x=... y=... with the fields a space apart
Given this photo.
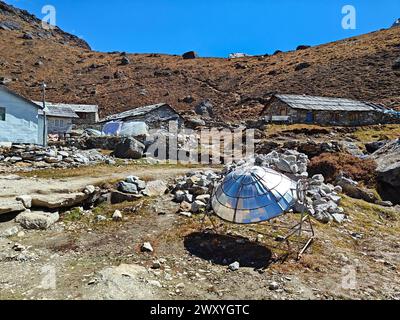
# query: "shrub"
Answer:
x=331 y=164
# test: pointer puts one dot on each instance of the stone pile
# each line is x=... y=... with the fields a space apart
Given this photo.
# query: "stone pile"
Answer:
x=323 y=201
x=133 y=188
x=58 y=157
x=193 y=192
x=290 y=162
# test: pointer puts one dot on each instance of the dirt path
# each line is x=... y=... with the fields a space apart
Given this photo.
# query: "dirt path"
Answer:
x=13 y=185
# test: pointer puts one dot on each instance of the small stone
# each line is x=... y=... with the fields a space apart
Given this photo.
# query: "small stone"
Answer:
x=273 y=286
x=18 y=247
x=198 y=206
x=234 y=266
x=156 y=265
x=147 y=247
x=89 y=189
x=186 y=214
x=179 y=196
x=205 y=198
x=117 y=216
x=185 y=207
x=154 y=283
x=100 y=218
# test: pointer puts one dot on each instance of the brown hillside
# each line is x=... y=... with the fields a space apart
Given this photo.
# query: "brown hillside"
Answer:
x=360 y=68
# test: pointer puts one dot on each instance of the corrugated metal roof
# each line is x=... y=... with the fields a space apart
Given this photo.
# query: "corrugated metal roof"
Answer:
x=327 y=104
x=60 y=112
x=134 y=112
x=84 y=108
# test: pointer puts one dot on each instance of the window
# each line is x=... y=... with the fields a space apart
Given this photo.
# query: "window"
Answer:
x=57 y=123
x=2 y=114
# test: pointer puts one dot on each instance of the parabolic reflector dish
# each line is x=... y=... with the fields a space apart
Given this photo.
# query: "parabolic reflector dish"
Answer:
x=253 y=194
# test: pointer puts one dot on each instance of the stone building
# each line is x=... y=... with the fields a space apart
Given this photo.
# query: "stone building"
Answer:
x=60 y=120
x=155 y=116
x=87 y=115
x=323 y=110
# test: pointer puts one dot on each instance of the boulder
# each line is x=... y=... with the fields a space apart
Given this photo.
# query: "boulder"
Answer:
x=190 y=55
x=372 y=147
x=388 y=170
x=127 y=187
x=37 y=220
x=302 y=47
x=353 y=190
x=129 y=148
x=155 y=188
x=205 y=108
x=120 y=197
x=117 y=216
x=125 y=61
x=56 y=201
x=198 y=206
x=301 y=66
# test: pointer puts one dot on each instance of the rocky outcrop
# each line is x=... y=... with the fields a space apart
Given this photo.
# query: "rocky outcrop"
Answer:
x=388 y=160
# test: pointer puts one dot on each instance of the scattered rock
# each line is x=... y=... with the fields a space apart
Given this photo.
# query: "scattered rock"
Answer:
x=126 y=187
x=125 y=61
x=147 y=247
x=301 y=66
x=155 y=188
x=302 y=47
x=117 y=216
x=129 y=148
x=37 y=220
x=205 y=108
x=190 y=55
x=273 y=286
x=234 y=266
x=100 y=218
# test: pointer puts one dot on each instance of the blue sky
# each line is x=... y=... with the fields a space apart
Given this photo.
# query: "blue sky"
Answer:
x=212 y=27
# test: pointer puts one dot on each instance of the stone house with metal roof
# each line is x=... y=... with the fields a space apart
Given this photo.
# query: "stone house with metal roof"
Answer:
x=60 y=119
x=155 y=116
x=86 y=114
x=323 y=110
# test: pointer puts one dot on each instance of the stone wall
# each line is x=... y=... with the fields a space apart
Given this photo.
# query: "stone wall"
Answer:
x=86 y=118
